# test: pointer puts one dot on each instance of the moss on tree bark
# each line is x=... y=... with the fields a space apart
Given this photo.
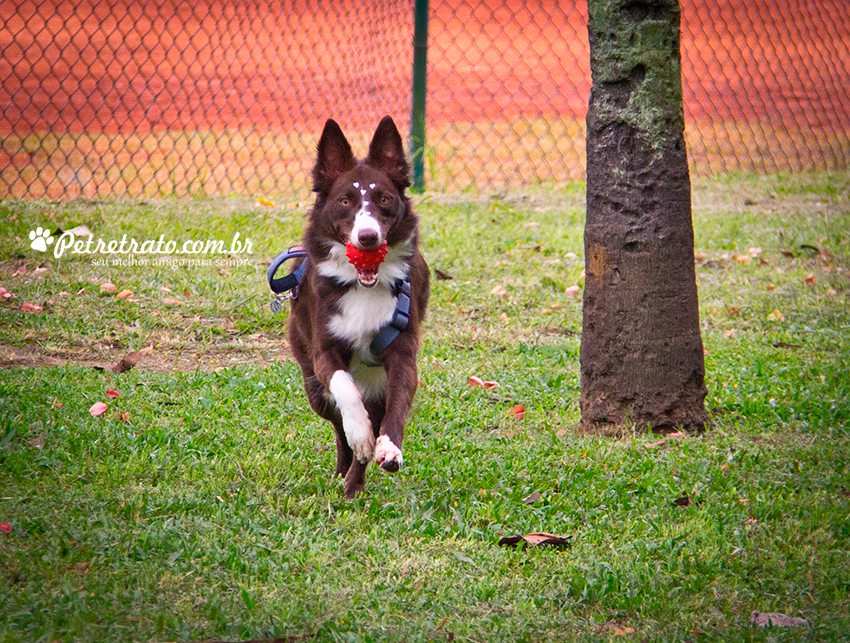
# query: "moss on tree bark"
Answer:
x=641 y=349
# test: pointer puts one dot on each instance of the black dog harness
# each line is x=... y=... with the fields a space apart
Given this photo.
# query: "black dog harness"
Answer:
x=287 y=288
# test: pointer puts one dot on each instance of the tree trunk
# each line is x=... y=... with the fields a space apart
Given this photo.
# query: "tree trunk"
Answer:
x=641 y=350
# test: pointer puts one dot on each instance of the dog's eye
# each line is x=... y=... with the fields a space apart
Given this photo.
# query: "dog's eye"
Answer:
x=385 y=200
x=345 y=202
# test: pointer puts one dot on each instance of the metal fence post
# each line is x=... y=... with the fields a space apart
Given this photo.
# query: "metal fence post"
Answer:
x=417 y=115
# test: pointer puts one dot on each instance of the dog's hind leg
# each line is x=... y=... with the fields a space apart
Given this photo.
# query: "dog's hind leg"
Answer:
x=344 y=454
x=355 y=479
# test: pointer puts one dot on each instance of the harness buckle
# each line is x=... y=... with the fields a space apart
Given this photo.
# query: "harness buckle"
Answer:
x=276 y=304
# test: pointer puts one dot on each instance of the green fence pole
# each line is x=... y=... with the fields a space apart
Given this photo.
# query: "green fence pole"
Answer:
x=417 y=115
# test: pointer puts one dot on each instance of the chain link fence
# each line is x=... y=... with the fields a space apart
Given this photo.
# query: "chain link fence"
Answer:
x=160 y=97
x=163 y=97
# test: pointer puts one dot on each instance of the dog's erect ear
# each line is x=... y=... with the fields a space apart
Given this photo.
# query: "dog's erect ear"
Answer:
x=334 y=157
x=386 y=153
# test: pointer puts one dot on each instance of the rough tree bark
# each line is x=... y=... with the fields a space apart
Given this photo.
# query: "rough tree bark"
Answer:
x=641 y=350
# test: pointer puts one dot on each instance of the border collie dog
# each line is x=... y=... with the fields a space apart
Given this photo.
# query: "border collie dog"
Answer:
x=343 y=304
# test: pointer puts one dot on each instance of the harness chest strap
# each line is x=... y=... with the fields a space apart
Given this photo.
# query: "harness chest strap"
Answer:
x=401 y=318
x=289 y=284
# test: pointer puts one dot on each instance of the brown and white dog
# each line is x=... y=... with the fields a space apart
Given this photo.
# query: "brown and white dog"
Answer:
x=340 y=308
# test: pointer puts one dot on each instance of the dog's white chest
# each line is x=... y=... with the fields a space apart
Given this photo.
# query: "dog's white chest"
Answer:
x=362 y=313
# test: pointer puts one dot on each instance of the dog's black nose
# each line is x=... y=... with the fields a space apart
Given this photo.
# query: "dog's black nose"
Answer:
x=368 y=239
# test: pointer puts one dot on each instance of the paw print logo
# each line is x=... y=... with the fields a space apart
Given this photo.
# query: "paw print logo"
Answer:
x=40 y=239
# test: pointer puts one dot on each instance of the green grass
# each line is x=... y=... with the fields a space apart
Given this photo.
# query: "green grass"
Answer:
x=212 y=514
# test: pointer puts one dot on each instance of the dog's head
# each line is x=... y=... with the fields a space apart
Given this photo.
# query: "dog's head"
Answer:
x=361 y=203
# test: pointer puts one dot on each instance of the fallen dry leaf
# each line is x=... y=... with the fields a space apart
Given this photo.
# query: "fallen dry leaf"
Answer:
x=5 y=527
x=573 y=290
x=474 y=380
x=517 y=412
x=655 y=445
x=27 y=307
x=754 y=252
x=490 y=385
x=624 y=630
x=108 y=287
x=536 y=539
x=742 y=258
x=776 y=619
x=776 y=315
x=80 y=231
x=499 y=290
x=170 y=301
x=5 y=294
x=265 y=202
x=123 y=416
x=124 y=294
x=37 y=443
x=442 y=275
x=112 y=393
x=127 y=362
x=534 y=497
x=98 y=408
x=810 y=279
x=684 y=501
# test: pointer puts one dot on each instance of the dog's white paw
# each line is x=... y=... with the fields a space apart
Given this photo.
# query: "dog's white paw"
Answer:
x=360 y=438
x=355 y=419
x=387 y=454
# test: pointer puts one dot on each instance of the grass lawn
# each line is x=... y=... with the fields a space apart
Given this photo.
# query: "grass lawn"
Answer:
x=200 y=505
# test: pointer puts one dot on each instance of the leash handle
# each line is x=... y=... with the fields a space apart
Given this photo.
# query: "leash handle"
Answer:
x=290 y=281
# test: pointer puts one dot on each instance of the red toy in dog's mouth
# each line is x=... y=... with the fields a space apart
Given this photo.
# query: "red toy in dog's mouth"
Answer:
x=366 y=262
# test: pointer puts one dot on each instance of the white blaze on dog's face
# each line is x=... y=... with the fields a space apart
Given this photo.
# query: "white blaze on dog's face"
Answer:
x=366 y=232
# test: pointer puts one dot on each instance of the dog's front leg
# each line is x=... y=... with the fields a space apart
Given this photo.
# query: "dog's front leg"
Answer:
x=400 y=363
x=355 y=419
x=331 y=369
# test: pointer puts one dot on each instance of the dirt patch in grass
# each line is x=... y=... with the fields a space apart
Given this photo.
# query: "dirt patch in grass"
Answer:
x=187 y=357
